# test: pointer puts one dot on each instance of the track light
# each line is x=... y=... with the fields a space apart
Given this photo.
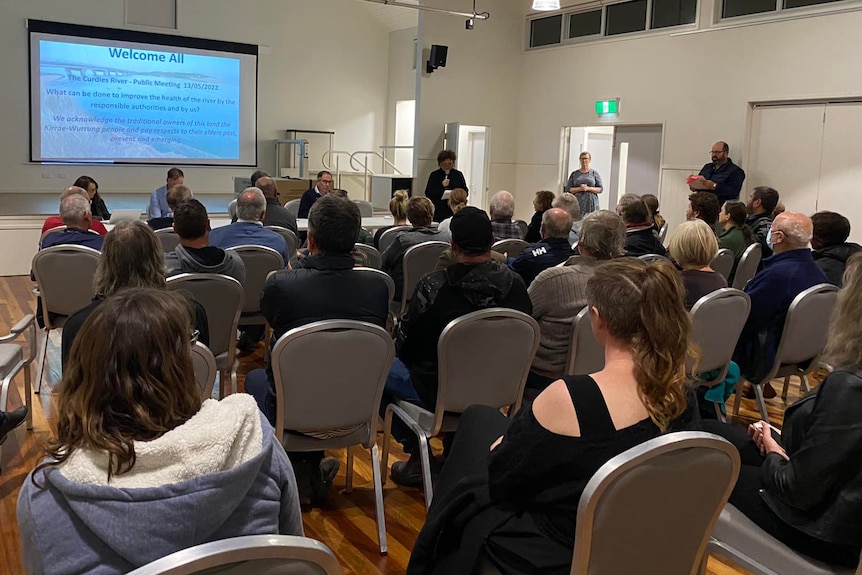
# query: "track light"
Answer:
x=546 y=5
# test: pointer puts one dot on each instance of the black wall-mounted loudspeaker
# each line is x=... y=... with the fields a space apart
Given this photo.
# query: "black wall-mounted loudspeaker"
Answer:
x=438 y=55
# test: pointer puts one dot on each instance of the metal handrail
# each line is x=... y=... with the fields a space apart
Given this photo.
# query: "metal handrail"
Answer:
x=364 y=165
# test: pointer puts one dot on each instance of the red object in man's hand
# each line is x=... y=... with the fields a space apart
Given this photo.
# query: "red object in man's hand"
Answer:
x=692 y=179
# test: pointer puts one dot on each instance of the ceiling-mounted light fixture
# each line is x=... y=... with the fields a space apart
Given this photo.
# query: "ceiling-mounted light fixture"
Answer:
x=544 y=5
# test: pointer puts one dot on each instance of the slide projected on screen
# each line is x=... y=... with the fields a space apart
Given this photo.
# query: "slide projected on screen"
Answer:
x=101 y=95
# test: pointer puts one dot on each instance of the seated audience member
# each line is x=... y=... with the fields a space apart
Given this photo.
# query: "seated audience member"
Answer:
x=802 y=486
x=420 y=212
x=501 y=210
x=140 y=465
x=52 y=222
x=75 y=213
x=97 y=204
x=559 y=293
x=398 y=209
x=553 y=249
x=321 y=287
x=779 y=209
x=541 y=203
x=692 y=246
x=641 y=237
x=782 y=277
x=195 y=254
x=457 y=200
x=651 y=202
x=703 y=206
x=132 y=257
x=320 y=189
x=474 y=283
x=176 y=195
x=518 y=505
x=255 y=176
x=248 y=230
x=159 y=207
x=737 y=235
x=276 y=214
x=9 y=420
x=569 y=203
x=364 y=236
x=761 y=204
x=830 y=245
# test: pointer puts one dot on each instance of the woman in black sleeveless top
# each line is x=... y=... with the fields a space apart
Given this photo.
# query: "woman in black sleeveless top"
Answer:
x=516 y=506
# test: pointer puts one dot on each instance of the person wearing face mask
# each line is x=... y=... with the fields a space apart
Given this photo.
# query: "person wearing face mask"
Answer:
x=760 y=206
x=786 y=274
x=441 y=182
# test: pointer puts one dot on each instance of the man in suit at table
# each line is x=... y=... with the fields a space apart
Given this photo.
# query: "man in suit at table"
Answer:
x=321 y=188
x=159 y=207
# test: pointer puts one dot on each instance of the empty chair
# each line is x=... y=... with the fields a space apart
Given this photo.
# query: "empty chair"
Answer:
x=652 y=258
x=508 y=336
x=749 y=262
x=511 y=247
x=51 y=231
x=205 y=368
x=329 y=375
x=717 y=321
x=169 y=238
x=387 y=237
x=222 y=297
x=289 y=238
x=723 y=262
x=13 y=360
x=802 y=340
x=418 y=261
x=662 y=233
x=64 y=278
x=231 y=208
x=366 y=210
x=249 y=555
x=293 y=206
x=259 y=262
x=586 y=355
x=371 y=255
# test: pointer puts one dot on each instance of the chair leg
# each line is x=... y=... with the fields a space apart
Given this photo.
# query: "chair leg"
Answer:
x=4 y=393
x=721 y=417
x=376 y=474
x=761 y=402
x=806 y=385
x=349 y=484
x=387 y=437
x=737 y=399
x=28 y=396
x=44 y=357
x=426 y=469
x=786 y=385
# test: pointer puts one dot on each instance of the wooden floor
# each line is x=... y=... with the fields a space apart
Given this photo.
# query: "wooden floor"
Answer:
x=346 y=524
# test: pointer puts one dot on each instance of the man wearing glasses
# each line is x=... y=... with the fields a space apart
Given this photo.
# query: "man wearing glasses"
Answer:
x=323 y=186
x=721 y=177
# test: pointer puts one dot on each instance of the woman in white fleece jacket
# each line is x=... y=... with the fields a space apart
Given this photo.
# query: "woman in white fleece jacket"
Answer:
x=140 y=467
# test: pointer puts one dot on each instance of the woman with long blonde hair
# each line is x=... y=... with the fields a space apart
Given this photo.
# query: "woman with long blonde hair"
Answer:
x=457 y=200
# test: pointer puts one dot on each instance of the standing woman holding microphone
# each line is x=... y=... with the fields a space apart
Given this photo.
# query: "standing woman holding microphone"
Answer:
x=586 y=184
x=441 y=182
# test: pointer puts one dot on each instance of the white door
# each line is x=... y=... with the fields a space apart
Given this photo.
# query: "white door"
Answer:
x=471 y=146
x=636 y=162
x=840 y=168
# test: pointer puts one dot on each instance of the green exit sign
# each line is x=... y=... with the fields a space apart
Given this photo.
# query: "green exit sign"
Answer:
x=604 y=107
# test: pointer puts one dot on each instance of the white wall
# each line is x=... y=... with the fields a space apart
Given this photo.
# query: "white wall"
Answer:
x=327 y=70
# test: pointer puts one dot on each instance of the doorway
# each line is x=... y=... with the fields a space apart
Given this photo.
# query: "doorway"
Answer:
x=470 y=144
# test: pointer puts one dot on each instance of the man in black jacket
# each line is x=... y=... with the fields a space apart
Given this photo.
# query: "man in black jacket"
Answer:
x=760 y=206
x=323 y=286
x=831 y=250
x=641 y=237
x=276 y=214
x=475 y=282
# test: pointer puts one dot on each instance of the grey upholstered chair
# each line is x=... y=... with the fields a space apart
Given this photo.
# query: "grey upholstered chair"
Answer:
x=13 y=360
x=522 y=225
x=372 y=255
x=511 y=247
x=749 y=261
x=507 y=340
x=662 y=233
x=259 y=262
x=586 y=355
x=717 y=320
x=249 y=555
x=64 y=278
x=329 y=375
x=387 y=237
x=289 y=238
x=231 y=209
x=169 y=238
x=222 y=298
x=802 y=340
x=653 y=258
x=723 y=262
x=293 y=207
x=205 y=369
x=418 y=261
x=50 y=231
x=389 y=281
x=739 y=539
x=366 y=210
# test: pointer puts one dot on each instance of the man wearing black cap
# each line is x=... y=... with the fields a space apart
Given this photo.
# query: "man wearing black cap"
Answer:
x=474 y=282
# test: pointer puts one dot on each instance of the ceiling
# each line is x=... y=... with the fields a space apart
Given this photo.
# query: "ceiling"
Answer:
x=393 y=18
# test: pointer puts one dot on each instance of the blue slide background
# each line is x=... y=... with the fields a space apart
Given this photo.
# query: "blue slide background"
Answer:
x=87 y=100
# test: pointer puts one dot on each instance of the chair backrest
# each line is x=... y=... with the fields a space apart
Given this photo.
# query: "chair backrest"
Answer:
x=717 y=321
x=662 y=233
x=169 y=238
x=387 y=237
x=663 y=498
x=484 y=358
x=418 y=261
x=511 y=247
x=806 y=326
x=390 y=283
x=523 y=226
x=249 y=555
x=259 y=261
x=723 y=262
x=372 y=256
x=586 y=355
x=64 y=277
x=330 y=375
x=49 y=231
x=366 y=210
x=289 y=238
x=293 y=207
x=231 y=209
x=205 y=369
x=652 y=258
x=222 y=298
x=748 y=264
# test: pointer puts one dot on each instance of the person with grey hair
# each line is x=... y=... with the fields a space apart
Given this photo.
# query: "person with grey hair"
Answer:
x=52 y=222
x=559 y=293
x=569 y=203
x=75 y=213
x=248 y=230
x=502 y=209
x=276 y=214
x=641 y=237
x=176 y=195
x=554 y=247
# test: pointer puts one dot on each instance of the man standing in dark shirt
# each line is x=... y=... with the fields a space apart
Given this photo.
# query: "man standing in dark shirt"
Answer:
x=722 y=176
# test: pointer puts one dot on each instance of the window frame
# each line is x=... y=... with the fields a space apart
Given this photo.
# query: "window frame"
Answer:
x=782 y=13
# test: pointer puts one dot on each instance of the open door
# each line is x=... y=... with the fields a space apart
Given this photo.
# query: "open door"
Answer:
x=471 y=146
x=636 y=161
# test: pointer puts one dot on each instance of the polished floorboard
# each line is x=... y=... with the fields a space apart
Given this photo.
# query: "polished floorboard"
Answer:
x=346 y=524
